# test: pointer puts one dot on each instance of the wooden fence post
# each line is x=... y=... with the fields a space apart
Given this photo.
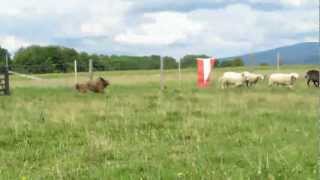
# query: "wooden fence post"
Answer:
x=161 y=74
x=90 y=70
x=75 y=72
x=6 y=77
x=6 y=81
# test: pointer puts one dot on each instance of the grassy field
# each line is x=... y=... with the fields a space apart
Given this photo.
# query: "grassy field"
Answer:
x=134 y=131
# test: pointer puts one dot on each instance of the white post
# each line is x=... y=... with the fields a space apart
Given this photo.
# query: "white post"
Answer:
x=179 y=69
x=75 y=72
x=90 y=69
x=161 y=74
x=6 y=81
x=7 y=60
x=252 y=61
x=278 y=61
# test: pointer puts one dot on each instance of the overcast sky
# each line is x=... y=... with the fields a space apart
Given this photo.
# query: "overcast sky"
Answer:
x=142 y=27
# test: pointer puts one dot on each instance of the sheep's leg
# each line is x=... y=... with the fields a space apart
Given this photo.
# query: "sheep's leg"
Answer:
x=226 y=85
x=308 y=82
x=222 y=85
x=314 y=83
x=238 y=84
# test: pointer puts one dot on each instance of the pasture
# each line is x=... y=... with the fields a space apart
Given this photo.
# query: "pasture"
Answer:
x=134 y=131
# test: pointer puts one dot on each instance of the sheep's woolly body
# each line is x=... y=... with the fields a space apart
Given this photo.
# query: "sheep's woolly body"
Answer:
x=253 y=78
x=283 y=79
x=232 y=78
x=313 y=76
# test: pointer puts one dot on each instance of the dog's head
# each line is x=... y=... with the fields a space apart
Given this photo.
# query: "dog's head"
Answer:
x=104 y=82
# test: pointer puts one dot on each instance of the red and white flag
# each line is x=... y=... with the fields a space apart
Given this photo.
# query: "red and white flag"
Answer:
x=205 y=67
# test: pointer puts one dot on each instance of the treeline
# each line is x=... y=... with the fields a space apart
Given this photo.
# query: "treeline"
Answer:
x=56 y=59
x=36 y=59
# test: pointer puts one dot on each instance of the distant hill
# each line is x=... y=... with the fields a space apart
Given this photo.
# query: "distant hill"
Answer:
x=302 y=53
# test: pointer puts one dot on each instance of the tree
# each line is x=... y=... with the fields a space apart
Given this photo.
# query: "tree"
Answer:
x=170 y=63
x=3 y=54
x=48 y=59
x=190 y=60
x=232 y=62
x=237 y=62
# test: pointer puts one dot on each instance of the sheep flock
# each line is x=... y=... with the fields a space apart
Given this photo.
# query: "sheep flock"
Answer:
x=237 y=79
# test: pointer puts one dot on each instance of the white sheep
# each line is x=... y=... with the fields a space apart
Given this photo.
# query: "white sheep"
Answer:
x=252 y=78
x=283 y=79
x=232 y=78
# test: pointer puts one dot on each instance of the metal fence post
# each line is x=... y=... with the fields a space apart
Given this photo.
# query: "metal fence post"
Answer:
x=6 y=77
x=161 y=74
x=90 y=70
x=75 y=72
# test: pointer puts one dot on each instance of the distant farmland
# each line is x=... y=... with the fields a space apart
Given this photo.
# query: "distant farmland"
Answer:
x=134 y=131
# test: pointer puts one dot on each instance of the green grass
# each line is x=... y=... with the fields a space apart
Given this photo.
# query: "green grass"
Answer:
x=133 y=131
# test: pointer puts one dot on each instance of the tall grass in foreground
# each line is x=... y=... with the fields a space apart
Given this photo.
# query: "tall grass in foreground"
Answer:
x=136 y=132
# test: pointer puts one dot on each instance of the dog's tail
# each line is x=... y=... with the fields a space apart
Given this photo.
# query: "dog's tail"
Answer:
x=77 y=87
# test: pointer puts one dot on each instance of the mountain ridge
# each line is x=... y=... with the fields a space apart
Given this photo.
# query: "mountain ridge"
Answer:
x=301 y=53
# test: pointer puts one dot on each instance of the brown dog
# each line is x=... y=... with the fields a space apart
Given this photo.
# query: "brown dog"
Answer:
x=96 y=86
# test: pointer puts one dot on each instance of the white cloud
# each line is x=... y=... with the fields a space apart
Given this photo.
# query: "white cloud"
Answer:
x=164 y=28
x=288 y=3
x=12 y=43
x=239 y=28
x=292 y=2
x=105 y=17
x=92 y=28
x=72 y=17
x=310 y=39
x=222 y=30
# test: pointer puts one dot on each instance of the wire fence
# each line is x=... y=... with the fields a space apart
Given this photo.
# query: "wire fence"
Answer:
x=4 y=81
x=52 y=75
x=68 y=74
x=83 y=67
